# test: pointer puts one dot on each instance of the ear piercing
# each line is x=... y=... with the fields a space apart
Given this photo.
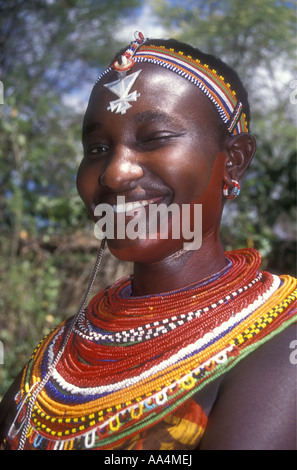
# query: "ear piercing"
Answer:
x=231 y=193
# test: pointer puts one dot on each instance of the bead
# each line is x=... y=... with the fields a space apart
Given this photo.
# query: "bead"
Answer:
x=206 y=79
x=148 y=361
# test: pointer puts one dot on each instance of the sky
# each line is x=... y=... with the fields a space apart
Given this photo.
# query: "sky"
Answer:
x=145 y=21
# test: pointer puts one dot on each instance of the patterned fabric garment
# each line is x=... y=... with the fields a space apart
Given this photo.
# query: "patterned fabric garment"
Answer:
x=132 y=365
x=181 y=430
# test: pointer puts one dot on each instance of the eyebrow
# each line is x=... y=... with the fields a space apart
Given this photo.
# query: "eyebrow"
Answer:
x=153 y=116
x=87 y=129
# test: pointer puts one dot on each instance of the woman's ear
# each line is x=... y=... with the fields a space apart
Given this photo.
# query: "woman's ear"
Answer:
x=240 y=150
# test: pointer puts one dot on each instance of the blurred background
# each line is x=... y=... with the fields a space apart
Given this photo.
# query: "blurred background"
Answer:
x=51 y=53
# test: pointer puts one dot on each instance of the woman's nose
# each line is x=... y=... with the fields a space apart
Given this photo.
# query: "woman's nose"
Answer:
x=121 y=170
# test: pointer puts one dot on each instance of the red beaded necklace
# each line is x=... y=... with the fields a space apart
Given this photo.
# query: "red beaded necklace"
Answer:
x=131 y=361
x=113 y=312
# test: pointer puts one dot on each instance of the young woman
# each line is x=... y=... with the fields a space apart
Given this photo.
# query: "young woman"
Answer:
x=192 y=351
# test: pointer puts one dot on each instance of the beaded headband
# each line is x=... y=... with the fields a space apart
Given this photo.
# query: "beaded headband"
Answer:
x=206 y=79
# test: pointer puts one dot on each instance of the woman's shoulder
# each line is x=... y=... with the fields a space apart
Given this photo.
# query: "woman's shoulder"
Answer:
x=270 y=367
x=255 y=405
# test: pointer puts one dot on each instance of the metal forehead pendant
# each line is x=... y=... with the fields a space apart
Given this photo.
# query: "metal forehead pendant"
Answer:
x=121 y=88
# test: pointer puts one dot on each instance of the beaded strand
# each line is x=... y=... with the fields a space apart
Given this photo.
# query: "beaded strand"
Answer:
x=115 y=378
x=157 y=328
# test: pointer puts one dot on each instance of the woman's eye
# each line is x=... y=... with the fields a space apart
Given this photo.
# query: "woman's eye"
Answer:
x=97 y=150
x=158 y=137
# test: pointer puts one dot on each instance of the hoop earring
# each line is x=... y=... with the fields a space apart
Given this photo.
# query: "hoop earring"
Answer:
x=231 y=193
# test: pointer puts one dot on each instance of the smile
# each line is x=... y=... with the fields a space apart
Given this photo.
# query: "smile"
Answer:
x=122 y=207
x=145 y=219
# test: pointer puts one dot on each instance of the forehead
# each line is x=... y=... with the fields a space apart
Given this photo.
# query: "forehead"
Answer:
x=158 y=91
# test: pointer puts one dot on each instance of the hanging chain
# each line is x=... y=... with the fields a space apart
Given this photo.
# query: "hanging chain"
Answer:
x=26 y=422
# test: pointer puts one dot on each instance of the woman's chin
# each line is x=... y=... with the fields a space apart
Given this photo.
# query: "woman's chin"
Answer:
x=143 y=250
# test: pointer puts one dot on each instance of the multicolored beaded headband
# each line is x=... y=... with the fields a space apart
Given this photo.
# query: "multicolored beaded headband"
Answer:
x=201 y=75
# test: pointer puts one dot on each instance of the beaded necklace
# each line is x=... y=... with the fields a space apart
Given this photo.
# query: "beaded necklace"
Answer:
x=131 y=361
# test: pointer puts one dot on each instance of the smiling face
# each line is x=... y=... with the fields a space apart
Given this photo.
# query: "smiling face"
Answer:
x=167 y=148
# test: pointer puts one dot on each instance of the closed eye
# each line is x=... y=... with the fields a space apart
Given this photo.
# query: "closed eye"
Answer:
x=159 y=137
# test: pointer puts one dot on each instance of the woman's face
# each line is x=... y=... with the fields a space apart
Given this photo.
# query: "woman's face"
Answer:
x=165 y=149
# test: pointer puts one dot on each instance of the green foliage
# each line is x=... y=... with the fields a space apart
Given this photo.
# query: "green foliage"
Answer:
x=257 y=32
x=29 y=297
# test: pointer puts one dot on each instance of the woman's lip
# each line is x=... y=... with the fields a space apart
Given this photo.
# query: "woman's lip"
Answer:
x=132 y=206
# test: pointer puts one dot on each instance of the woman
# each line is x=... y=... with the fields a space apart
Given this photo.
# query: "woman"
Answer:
x=193 y=351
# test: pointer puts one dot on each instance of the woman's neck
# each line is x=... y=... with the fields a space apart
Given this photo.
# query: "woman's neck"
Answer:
x=178 y=270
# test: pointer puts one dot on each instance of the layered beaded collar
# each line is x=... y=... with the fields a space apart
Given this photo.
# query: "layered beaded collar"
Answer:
x=130 y=362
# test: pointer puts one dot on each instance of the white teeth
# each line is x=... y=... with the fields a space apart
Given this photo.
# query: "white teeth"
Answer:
x=129 y=206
